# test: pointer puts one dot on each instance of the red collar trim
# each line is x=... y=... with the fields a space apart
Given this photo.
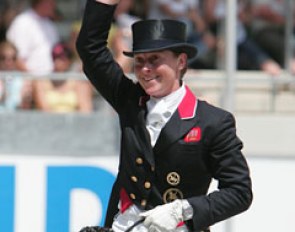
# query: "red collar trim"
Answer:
x=188 y=105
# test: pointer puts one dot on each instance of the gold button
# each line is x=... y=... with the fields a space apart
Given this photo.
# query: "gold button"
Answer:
x=139 y=160
x=134 y=178
x=143 y=202
x=132 y=196
x=147 y=185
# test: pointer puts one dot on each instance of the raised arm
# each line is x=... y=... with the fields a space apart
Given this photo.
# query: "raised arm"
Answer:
x=99 y=64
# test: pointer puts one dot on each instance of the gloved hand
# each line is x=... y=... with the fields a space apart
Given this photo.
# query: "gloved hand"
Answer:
x=164 y=218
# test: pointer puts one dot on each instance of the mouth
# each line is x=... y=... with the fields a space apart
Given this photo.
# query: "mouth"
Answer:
x=150 y=79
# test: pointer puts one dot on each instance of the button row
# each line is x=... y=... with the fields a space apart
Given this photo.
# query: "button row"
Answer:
x=147 y=184
x=139 y=161
x=143 y=201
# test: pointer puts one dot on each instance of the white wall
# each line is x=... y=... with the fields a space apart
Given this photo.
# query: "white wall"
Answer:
x=273 y=207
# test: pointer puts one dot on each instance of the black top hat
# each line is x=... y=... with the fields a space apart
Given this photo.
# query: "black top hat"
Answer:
x=156 y=35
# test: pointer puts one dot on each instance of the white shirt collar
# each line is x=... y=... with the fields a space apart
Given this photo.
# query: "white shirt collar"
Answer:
x=160 y=111
x=171 y=101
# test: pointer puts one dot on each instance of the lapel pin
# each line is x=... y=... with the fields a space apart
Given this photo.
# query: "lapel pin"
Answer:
x=194 y=135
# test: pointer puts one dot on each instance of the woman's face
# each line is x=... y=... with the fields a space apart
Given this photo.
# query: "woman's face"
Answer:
x=61 y=64
x=8 y=59
x=159 y=73
x=47 y=8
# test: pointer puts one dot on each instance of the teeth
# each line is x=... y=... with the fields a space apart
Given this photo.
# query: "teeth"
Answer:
x=150 y=79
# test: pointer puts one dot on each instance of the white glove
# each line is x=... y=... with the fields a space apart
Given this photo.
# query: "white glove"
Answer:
x=163 y=218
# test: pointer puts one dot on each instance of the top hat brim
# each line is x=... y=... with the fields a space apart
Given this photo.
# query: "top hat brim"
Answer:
x=189 y=49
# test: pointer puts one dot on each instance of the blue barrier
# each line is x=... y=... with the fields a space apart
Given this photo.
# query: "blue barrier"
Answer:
x=7 y=192
x=61 y=180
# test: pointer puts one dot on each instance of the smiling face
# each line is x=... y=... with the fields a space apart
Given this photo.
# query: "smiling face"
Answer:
x=159 y=73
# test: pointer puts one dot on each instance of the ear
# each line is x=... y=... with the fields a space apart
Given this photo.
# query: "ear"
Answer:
x=182 y=61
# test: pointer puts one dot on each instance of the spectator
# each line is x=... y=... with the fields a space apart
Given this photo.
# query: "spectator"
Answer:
x=187 y=11
x=63 y=96
x=121 y=39
x=7 y=14
x=15 y=92
x=3 y=9
x=268 y=27
x=76 y=61
x=34 y=33
x=250 y=55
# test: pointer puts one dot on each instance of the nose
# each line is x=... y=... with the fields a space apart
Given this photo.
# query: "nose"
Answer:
x=147 y=67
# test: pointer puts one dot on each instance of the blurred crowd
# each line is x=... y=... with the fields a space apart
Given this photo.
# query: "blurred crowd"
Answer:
x=31 y=42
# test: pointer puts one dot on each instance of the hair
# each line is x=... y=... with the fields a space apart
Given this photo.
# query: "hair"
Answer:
x=61 y=49
x=183 y=71
x=7 y=44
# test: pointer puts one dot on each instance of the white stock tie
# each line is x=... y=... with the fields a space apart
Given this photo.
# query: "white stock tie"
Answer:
x=157 y=118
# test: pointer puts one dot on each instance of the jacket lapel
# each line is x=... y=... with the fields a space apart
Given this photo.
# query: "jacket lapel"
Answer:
x=142 y=133
x=180 y=123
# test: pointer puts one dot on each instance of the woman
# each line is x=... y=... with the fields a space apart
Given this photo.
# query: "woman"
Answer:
x=15 y=92
x=63 y=96
x=172 y=144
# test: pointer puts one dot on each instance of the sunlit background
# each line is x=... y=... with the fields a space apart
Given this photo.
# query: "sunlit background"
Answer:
x=57 y=167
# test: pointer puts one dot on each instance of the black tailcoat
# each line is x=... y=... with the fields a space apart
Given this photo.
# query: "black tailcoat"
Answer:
x=197 y=144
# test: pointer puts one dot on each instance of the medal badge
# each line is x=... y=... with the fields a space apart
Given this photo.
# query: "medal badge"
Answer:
x=171 y=194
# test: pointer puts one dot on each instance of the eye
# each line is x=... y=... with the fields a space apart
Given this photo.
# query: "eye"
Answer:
x=154 y=60
x=139 y=61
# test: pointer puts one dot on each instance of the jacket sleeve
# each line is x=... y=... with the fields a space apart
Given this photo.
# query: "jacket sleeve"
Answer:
x=98 y=63
x=229 y=167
